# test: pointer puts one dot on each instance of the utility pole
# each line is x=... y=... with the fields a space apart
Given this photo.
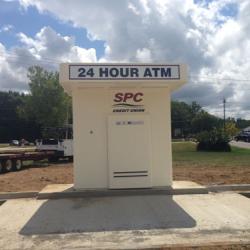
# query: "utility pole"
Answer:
x=224 y=114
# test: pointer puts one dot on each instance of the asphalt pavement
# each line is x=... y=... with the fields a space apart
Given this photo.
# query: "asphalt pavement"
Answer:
x=240 y=144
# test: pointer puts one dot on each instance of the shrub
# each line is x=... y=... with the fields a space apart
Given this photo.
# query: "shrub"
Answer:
x=214 y=140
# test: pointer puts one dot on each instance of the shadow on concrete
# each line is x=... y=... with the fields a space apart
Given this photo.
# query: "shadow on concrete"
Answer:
x=107 y=214
x=2 y=202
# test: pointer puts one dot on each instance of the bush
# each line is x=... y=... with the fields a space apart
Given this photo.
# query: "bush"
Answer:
x=214 y=140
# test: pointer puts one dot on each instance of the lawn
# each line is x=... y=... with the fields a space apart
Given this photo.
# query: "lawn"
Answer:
x=185 y=154
x=210 y=168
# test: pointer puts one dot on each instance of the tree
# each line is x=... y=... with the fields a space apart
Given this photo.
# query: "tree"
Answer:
x=11 y=125
x=181 y=117
x=47 y=104
x=195 y=109
x=242 y=123
x=203 y=121
x=213 y=140
x=231 y=129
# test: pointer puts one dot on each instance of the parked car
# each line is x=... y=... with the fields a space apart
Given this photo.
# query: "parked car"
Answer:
x=23 y=142
x=243 y=136
x=14 y=143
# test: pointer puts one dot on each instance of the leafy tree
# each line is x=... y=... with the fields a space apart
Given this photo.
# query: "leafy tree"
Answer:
x=204 y=121
x=242 y=123
x=181 y=117
x=185 y=115
x=47 y=104
x=11 y=125
x=231 y=129
x=213 y=140
x=195 y=109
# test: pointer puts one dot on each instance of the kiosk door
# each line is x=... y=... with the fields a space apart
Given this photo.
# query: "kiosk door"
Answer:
x=129 y=152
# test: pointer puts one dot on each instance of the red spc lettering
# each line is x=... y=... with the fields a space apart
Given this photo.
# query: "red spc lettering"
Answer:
x=127 y=96
x=118 y=97
x=137 y=97
x=123 y=97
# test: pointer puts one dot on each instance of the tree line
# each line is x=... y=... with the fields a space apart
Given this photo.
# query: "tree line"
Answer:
x=190 y=120
x=46 y=105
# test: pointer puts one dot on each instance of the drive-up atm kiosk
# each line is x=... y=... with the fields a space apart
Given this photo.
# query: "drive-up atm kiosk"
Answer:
x=122 y=123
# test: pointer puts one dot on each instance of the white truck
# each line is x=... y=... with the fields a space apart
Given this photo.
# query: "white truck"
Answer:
x=12 y=159
x=58 y=140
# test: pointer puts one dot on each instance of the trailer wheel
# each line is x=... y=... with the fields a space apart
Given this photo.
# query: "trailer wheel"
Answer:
x=8 y=165
x=1 y=167
x=18 y=165
x=53 y=159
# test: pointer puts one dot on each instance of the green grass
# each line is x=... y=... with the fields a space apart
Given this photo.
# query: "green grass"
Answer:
x=185 y=154
x=3 y=145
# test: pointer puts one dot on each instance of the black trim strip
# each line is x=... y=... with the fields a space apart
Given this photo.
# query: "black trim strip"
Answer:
x=121 y=176
x=128 y=172
x=115 y=79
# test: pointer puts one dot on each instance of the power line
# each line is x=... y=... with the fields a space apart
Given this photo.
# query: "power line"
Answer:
x=220 y=79
x=224 y=114
x=45 y=59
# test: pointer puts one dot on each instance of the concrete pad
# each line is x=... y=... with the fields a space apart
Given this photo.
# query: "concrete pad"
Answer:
x=186 y=184
x=127 y=222
x=56 y=191
x=56 y=188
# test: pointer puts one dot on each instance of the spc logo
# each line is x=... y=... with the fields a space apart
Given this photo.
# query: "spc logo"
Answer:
x=122 y=99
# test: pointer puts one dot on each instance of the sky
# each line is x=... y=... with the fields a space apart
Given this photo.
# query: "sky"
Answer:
x=211 y=36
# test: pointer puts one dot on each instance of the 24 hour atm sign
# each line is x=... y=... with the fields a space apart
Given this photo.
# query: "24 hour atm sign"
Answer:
x=124 y=72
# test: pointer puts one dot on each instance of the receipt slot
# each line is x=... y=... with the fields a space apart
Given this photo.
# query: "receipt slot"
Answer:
x=122 y=123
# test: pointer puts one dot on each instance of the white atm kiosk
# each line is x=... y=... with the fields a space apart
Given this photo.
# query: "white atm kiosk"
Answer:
x=122 y=123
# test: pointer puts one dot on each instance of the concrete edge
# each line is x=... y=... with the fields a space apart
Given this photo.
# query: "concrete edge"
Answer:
x=232 y=187
x=198 y=245
x=108 y=193
x=243 y=189
x=18 y=195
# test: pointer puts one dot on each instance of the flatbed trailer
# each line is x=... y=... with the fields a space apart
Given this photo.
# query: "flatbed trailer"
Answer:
x=10 y=161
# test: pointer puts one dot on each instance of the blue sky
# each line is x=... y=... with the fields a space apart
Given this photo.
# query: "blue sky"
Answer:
x=211 y=36
x=30 y=21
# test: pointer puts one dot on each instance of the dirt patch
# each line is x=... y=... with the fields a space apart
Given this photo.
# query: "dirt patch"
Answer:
x=213 y=175
x=34 y=178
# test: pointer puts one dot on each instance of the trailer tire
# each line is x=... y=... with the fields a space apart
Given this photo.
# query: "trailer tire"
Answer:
x=8 y=165
x=53 y=159
x=18 y=164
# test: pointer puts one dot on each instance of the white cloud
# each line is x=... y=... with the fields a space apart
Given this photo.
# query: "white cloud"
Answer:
x=11 y=77
x=47 y=49
x=170 y=30
x=50 y=45
x=6 y=28
x=143 y=55
x=204 y=34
